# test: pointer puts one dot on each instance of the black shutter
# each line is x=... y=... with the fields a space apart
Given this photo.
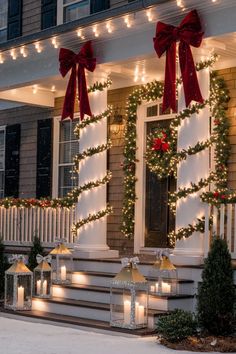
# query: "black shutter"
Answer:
x=44 y=158
x=99 y=5
x=14 y=24
x=12 y=161
x=48 y=13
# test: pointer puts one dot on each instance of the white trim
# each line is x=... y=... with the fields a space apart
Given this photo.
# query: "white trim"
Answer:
x=139 y=217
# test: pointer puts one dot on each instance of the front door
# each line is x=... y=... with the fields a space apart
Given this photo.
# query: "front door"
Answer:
x=159 y=221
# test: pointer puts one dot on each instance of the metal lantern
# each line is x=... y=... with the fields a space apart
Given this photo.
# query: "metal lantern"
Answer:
x=18 y=286
x=62 y=264
x=43 y=277
x=129 y=297
x=163 y=278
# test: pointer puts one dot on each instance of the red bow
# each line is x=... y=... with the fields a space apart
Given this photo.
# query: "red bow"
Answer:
x=69 y=60
x=188 y=33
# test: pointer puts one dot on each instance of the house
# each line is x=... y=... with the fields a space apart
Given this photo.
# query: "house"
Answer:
x=37 y=147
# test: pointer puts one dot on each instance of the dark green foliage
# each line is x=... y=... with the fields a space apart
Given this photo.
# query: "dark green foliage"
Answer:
x=216 y=294
x=176 y=326
x=3 y=267
x=35 y=249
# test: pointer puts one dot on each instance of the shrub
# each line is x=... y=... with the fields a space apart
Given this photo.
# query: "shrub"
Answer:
x=35 y=249
x=177 y=325
x=3 y=267
x=216 y=293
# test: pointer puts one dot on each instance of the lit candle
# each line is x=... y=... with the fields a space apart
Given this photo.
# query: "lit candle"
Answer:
x=20 y=297
x=152 y=288
x=45 y=285
x=166 y=287
x=127 y=308
x=136 y=311
x=63 y=273
x=38 y=287
x=140 y=314
x=157 y=287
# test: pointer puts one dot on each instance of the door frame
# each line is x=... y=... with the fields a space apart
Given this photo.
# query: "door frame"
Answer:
x=140 y=174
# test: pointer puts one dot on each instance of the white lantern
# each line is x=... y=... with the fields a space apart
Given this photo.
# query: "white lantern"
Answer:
x=129 y=297
x=62 y=264
x=43 y=277
x=163 y=278
x=18 y=286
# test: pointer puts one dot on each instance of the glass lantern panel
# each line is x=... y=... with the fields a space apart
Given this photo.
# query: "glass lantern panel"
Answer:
x=62 y=266
x=42 y=283
x=129 y=307
x=163 y=286
x=9 y=292
x=24 y=291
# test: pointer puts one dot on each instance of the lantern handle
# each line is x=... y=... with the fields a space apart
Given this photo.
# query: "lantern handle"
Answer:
x=126 y=261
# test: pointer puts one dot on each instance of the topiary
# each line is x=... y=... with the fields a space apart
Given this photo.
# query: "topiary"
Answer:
x=35 y=249
x=216 y=293
x=3 y=267
x=177 y=325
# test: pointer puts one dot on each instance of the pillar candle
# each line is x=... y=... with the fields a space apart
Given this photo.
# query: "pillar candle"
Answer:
x=63 y=273
x=20 y=297
x=45 y=285
x=127 y=308
x=38 y=287
x=140 y=314
x=166 y=287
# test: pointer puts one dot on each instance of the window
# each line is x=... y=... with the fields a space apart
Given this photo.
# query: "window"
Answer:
x=66 y=146
x=3 y=20
x=73 y=10
x=2 y=161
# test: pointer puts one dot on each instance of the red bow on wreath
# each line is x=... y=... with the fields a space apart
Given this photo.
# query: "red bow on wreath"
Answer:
x=159 y=144
x=189 y=32
x=69 y=61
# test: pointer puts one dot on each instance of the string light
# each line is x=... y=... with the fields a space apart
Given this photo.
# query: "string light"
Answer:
x=13 y=54
x=1 y=59
x=54 y=42
x=127 y=21
x=38 y=47
x=23 y=51
x=80 y=34
x=109 y=27
x=149 y=15
x=95 y=31
x=53 y=88
x=35 y=89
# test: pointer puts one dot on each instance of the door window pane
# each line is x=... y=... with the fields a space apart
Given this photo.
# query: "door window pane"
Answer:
x=74 y=10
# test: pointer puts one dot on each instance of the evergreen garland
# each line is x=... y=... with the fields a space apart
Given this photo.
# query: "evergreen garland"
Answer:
x=167 y=163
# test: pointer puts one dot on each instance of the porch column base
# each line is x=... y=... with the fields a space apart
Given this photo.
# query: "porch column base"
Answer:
x=79 y=252
x=186 y=257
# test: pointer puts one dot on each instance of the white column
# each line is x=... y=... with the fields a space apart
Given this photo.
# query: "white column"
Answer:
x=92 y=237
x=193 y=129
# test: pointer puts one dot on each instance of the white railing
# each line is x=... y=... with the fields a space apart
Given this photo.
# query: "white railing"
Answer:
x=221 y=221
x=21 y=225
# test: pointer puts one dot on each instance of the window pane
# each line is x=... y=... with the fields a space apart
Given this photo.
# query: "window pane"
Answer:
x=67 y=179
x=74 y=11
x=2 y=184
x=2 y=149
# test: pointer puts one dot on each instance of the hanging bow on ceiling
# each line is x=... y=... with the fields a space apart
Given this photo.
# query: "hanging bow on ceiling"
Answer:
x=126 y=261
x=47 y=259
x=189 y=32
x=77 y=63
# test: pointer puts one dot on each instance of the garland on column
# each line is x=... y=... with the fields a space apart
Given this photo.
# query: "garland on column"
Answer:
x=88 y=153
x=161 y=155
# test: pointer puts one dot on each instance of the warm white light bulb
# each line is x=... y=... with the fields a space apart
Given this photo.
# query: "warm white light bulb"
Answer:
x=149 y=15
x=1 y=59
x=35 y=89
x=54 y=43
x=127 y=21
x=13 y=54
x=108 y=27
x=53 y=89
x=38 y=47
x=95 y=31
x=23 y=51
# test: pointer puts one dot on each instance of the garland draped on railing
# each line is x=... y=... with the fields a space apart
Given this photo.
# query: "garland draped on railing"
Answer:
x=167 y=164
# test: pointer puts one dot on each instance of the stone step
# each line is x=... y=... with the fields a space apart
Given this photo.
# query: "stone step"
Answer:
x=104 y=279
x=83 y=309
x=99 y=294
x=80 y=322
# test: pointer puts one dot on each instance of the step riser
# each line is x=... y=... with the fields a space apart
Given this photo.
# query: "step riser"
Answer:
x=88 y=279
x=76 y=311
x=154 y=303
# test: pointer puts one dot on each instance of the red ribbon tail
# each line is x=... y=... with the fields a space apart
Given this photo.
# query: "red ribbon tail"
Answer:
x=69 y=101
x=192 y=90
x=83 y=94
x=169 y=97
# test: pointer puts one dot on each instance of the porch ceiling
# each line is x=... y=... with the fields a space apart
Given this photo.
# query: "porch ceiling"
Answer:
x=124 y=54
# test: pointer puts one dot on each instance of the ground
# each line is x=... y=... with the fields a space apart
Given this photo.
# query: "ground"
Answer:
x=20 y=337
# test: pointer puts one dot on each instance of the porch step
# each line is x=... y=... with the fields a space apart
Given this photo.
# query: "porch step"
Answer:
x=101 y=294
x=83 y=309
x=81 y=322
x=103 y=279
